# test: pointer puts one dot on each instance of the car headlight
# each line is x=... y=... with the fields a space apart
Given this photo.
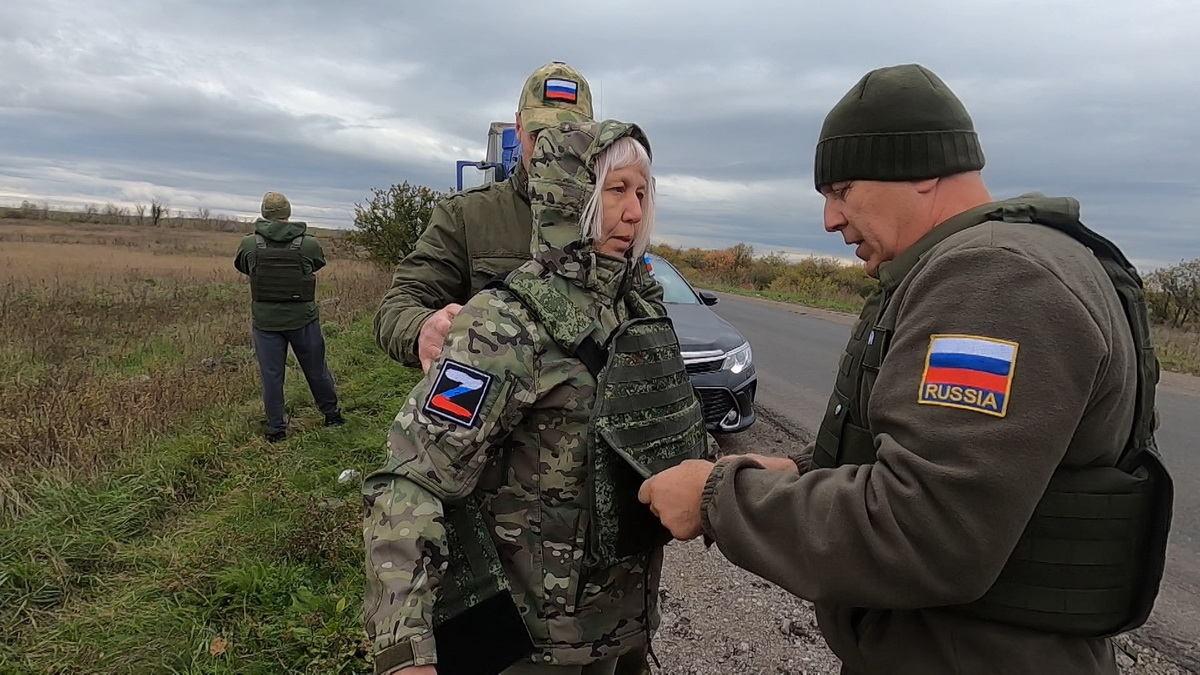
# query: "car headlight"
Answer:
x=737 y=360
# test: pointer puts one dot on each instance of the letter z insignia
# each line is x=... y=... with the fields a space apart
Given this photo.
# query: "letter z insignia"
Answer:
x=458 y=394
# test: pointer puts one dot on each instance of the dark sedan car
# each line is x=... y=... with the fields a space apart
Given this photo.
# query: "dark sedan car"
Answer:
x=717 y=357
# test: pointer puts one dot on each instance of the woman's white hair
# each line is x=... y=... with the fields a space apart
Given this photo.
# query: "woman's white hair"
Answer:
x=623 y=153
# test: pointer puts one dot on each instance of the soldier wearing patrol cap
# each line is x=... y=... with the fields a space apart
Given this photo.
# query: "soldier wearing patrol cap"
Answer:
x=282 y=260
x=984 y=493
x=477 y=235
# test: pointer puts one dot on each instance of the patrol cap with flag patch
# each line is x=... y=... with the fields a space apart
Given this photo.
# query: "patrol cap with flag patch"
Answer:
x=969 y=372
x=553 y=94
x=458 y=393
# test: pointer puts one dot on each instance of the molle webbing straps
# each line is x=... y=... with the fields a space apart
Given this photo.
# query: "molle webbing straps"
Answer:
x=646 y=417
x=278 y=273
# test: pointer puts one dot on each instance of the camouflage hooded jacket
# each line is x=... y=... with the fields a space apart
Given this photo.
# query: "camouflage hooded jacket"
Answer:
x=503 y=415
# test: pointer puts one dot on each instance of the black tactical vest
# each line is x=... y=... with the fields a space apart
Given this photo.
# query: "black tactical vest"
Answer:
x=1091 y=558
x=278 y=273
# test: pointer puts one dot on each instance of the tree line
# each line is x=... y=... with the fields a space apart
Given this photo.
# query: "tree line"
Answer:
x=387 y=225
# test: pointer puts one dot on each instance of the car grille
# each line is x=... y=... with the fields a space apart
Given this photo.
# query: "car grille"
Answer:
x=704 y=366
x=716 y=403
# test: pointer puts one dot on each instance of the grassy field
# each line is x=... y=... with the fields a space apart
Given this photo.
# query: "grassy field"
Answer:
x=146 y=527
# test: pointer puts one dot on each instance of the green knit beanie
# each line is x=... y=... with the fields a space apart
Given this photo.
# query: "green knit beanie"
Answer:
x=898 y=123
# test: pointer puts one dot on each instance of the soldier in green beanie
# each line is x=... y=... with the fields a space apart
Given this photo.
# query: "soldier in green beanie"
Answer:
x=984 y=493
x=282 y=259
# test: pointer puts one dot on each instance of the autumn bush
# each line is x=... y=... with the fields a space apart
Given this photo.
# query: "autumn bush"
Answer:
x=817 y=281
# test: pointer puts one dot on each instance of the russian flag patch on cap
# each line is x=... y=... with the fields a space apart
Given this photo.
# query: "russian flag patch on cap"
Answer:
x=969 y=372
x=563 y=91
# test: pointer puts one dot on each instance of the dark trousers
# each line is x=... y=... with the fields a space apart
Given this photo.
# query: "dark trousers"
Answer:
x=308 y=344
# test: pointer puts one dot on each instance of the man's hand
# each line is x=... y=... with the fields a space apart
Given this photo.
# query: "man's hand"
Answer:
x=414 y=670
x=433 y=334
x=768 y=462
x=674 y=496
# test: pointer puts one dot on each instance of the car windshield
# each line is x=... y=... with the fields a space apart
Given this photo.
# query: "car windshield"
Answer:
x=675 y=290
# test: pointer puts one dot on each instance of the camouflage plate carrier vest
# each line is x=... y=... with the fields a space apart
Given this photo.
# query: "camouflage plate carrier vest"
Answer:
x=646 y=418
x=1091 y=558
x=278 y=274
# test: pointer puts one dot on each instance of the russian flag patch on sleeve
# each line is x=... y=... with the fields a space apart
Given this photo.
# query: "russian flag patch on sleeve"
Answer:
x=458 y=394
x=563 y=91
x=969 y=372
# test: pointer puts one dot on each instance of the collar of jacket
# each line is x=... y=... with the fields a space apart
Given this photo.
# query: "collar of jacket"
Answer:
x=611 y=277
x=520 y=181
x=1029 y=208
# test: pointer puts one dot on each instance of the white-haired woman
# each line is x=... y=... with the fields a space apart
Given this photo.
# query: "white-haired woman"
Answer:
x=504 y=532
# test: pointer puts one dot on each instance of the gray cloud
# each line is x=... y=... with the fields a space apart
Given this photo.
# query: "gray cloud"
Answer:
x=211 y=104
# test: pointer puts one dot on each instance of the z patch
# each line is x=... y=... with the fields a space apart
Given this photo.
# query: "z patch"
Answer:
x=458 y=394
x=969 y=372
x=563 y=91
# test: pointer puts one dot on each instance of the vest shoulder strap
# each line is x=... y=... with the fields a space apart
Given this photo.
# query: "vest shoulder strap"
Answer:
x=259 y=241
x=296 y=243
x=1130 y=290
x=567 y=324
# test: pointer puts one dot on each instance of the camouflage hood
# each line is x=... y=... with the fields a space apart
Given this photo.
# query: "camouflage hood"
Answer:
x=279 y=230
x=562 y=177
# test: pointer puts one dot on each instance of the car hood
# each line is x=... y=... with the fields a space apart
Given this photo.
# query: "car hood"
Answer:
x=700 y=329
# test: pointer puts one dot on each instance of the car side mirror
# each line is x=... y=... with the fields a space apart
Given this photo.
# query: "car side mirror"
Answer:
x=708 y=298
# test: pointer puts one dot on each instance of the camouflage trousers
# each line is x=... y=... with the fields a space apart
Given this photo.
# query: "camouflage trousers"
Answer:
x=605 y=667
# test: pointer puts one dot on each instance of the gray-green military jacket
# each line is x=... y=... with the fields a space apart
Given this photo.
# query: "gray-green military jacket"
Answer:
x=473 y=238
x=883 y=547
x=504 y=414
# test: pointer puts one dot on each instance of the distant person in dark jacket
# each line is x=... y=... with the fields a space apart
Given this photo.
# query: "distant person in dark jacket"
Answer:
x=281 y=260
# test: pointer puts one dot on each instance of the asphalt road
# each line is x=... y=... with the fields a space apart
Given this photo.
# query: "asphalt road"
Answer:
x=795 y=354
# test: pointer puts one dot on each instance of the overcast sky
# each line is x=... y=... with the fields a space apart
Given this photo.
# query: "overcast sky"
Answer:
x=210 y=104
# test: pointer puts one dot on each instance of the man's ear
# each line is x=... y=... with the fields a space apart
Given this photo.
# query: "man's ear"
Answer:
x=925 y=186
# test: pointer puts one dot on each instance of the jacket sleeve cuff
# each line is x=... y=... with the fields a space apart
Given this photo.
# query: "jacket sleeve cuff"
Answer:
x=722 y=473
x=412 y=337
x=708 y=498
x=419 y=650
x=803 y=458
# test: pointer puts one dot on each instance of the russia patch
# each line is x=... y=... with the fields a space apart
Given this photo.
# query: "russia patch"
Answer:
x=563 y=91
x=969 y=372
x=458 y=394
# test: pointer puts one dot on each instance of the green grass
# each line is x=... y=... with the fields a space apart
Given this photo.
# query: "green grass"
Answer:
x=852 y=305
x=156 y=352
x=209 y=551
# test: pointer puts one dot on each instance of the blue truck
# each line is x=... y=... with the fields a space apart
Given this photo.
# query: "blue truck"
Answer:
x=503 y=153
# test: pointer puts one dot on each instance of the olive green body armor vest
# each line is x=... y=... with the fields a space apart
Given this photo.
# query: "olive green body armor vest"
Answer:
x=645 y=418
x=278 y=274
x=1091 y=558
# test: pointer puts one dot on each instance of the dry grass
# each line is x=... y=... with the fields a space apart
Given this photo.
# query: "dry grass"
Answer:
x=1178 y=349
x=112 y=334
